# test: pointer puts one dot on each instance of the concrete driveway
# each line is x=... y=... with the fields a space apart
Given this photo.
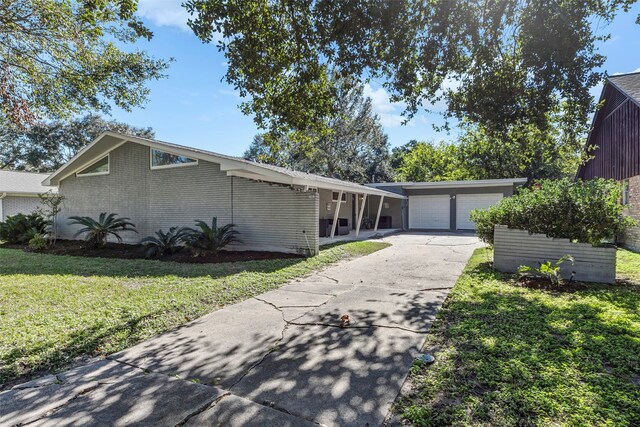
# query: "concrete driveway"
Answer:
x=278 y=359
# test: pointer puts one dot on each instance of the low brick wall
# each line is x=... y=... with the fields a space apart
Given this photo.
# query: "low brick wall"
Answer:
x=513 y=248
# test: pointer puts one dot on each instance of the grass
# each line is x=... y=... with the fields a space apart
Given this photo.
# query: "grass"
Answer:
x=508 y=355
x=56 y=309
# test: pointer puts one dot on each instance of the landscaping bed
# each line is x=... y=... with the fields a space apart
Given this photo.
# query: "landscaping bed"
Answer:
x=58 y=310
x=125 y=251
x=512 y=352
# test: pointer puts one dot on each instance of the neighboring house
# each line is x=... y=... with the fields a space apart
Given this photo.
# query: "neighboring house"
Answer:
x=159 y=185
x=19 y=192
x=613 y=144
x=447 y=205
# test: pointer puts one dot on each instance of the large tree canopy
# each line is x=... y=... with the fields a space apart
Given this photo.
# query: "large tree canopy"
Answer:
x=354 y=148
x=63 y=57
x=494 y=62
x=45 y=146
x=523 y=150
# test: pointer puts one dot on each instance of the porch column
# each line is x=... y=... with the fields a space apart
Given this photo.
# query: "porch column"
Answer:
x=335 y=215
x=378 y=216
x=360 y=214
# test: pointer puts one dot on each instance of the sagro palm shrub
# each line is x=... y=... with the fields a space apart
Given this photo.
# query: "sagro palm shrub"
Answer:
x=582 y=211
x=20 y=229
x=96 y=232
x=212 y=238
x=165 y=243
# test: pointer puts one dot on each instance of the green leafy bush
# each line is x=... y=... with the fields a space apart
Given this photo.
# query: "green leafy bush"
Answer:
x=209 y=238
x=38 y=242
x=96 y=232
x=582 y=211
x=165 y=243
x=20 y=228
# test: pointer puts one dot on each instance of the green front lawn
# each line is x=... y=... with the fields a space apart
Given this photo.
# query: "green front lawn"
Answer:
x=54 y=309
x=508 y=355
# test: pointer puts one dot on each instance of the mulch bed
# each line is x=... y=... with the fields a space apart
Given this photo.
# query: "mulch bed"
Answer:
x=124 y=251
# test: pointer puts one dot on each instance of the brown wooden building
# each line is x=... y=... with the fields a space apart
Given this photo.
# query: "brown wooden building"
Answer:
x=614 y=144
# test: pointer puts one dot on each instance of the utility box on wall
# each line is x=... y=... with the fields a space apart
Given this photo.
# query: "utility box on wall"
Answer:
x=513 y=248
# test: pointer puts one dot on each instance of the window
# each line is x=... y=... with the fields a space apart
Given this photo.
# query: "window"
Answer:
x=334 y=197
x=101 y=167
x=163 y=159
x=625 y=192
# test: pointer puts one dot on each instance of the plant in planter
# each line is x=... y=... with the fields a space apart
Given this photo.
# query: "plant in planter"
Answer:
x=367 y=223
x=97 y=232
x=20 y=229
x=209 y=238
x=165 y=243
x=546 y=270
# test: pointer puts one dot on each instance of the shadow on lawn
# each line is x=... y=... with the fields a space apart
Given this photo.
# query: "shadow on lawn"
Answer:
x=528 y=357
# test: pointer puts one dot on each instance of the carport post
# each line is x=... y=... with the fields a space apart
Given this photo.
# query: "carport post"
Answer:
x=378 y=216
x=335 y=215
x=361 y=213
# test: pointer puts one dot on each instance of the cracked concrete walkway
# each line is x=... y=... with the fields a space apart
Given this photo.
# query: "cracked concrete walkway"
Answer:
x=278 y=359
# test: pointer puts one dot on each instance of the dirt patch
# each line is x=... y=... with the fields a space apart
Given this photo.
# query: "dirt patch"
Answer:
x=124 y=251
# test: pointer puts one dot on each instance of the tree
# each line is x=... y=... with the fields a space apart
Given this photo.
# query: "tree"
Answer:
x=45 y=146
x=521 y=150
x=492 y=62
x=422 y=161
x=355 y=147
x=61 y=58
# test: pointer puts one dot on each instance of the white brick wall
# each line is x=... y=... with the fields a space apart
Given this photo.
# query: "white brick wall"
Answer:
x=268 y=217
x=513 y=248
x=12 y=205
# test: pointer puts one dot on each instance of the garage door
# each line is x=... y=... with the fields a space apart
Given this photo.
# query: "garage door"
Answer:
x=429 y=212
x=465 y=203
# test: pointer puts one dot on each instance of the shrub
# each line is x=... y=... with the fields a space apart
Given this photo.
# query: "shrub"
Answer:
x=52 y=203
x=583 y=211
x=106 y=225
x=20 y=228
x=209 y=238
x=38 y=242
x=165 y=243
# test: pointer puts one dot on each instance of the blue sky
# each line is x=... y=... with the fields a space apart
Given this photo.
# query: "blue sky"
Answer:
x=194 y=107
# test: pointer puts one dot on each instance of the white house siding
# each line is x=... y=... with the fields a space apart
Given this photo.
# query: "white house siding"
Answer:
x=13 y=205
x=163 y=198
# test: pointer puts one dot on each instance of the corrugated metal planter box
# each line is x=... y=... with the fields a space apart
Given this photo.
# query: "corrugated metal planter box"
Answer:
x=513 y=248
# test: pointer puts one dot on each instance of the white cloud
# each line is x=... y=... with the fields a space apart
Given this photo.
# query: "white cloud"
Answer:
x=637 y=70
x=388 y=111
x=165 y=13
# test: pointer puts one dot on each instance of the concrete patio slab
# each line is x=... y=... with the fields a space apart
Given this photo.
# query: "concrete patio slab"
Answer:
x=216 y=349
x=234 y=411
x=334 y=376
x=144 y=399
x=373 y=306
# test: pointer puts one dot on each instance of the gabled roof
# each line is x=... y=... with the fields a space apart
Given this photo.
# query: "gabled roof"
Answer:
x=617 y=90
x=233 y=166
x=629 y=84
x=22 y=183
x=454 y=184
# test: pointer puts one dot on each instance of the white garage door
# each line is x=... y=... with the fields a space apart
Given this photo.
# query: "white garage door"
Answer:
x=429 y=212
x=465 y=203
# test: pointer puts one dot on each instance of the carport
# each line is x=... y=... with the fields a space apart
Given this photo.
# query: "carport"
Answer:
x=447 y=205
